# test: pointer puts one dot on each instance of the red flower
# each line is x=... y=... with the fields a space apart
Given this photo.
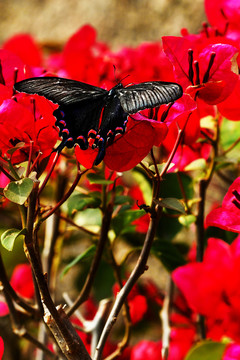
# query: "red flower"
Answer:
x=137 y=303
x=217 y=297
x=182 y=337
x=146 y=349
x=83 y=56
x=24 y=46
x=227 y=216
x=1 y=348
x=182 y=115
x=12 y=69
x=232 y=352
x=22 y=283
x=145 y=63
x=129 y=149
x=223 y=13
x=29 y=119
x=4 y=180
x=207 y=73
x=230 y=108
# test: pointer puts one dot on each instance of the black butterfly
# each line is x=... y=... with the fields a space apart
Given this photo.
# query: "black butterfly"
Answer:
x=89 y=114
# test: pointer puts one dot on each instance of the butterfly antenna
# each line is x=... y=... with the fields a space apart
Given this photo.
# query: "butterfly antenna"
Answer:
x=118 y=82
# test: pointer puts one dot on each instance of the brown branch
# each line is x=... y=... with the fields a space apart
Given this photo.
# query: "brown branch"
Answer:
x=126 y=317
x=68 y=340
x=12 y=294
x=66 y=196
x=136 y=273
x=96 y=261
x=49 y=172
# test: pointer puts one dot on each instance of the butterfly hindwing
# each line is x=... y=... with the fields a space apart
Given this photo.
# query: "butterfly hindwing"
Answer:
x=147 y=95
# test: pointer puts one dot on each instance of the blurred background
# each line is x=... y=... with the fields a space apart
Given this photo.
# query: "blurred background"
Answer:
x=118 y=22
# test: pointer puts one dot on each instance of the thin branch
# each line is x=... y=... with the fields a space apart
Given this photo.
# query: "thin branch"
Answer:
x=67 y=339
x=232 y=146
x=71 y=222
x=66 y=196
x=169 y=160
x=136 y=273
x=165 y=316
x=55 y=159
x=29 y=158
x=126 y=317
x=11 y=292
x=24 y=334
x=96 y=261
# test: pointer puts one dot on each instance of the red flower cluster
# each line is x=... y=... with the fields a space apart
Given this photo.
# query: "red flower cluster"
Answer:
x=217 y=297
x=26 y=122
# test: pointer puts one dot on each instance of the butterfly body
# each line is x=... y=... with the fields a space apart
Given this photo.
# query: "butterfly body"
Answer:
x=91 y=116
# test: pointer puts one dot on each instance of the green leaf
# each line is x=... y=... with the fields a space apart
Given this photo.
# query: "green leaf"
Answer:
x=199 y=164
x=208 y=122
x=229 y=133
x=187 y=220
x=9 y=236
x=144 y=184
x=207 y=350
x=173 y=204
x=18 y=191
x=15 y=148
x=122 y=199
x=98 y=179
x=88 y=253
x=168 y=254
x=122 y=221
x=90 y=218
x=170 y=187
x=160 y=167
x=80 y=202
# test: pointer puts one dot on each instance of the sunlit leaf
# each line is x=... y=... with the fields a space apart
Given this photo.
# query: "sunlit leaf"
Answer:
x=187 y=220
x=9 y=236
x=18 y=191
x=173 y=204
x=79 y=202
x=207 y=350
x=122 y=221
x=15 y=148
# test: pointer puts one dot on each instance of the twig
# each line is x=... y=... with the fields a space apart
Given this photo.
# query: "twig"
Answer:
x=18 y=329
x=66 y=196
x=8 y=289
x=96 y=261
x=126 y=316
x=232 y=146
x=55 y=159
x=96 y=325
x=165 y=315
x=71 y=222
x=136 y=273
x=67 y=339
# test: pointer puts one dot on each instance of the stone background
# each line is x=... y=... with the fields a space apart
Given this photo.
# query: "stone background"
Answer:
x=118 y=22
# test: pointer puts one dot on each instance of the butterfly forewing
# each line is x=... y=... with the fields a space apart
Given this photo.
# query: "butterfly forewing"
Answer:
x=148 y=95
x=59 y=90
